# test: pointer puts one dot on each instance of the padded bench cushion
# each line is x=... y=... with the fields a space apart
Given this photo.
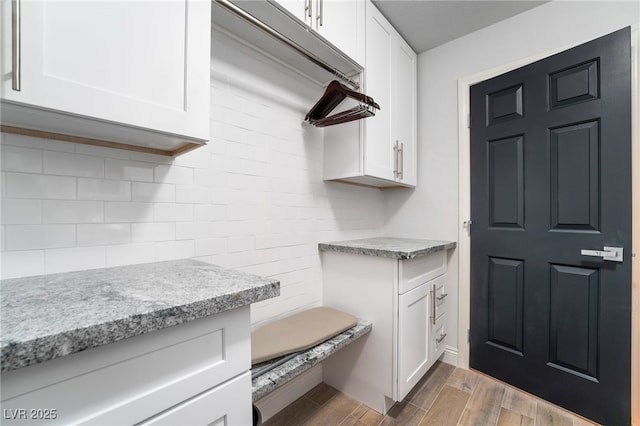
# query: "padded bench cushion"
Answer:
x=298 y=332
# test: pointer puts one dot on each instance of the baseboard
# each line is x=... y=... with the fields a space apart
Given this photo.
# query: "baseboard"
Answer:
x=271 y=404
x=450 y=356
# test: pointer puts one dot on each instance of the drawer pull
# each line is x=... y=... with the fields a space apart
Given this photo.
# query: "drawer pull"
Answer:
x=442 y=297
x=441 y=338
x=16 y=45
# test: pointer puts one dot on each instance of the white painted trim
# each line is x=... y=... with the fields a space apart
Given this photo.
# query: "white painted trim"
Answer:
x=464 y=203
x=280 y=398
x=450 y=355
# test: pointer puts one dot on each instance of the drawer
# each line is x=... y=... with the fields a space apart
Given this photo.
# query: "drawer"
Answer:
x=438 y=338
x=138 y=377
x=438 y=287
x=227 y=404
x=414 y=272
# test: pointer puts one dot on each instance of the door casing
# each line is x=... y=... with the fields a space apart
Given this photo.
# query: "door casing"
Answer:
x=464 y=208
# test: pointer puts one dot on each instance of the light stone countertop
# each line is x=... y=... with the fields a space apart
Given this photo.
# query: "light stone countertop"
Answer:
x=395 y=248
x=49 y=316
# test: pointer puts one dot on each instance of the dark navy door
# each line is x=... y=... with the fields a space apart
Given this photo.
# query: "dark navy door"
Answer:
x=550 y=189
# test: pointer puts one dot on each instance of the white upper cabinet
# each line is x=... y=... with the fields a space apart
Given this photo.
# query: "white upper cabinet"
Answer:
x=341 y=22
x=380 y=150
x=135 y=72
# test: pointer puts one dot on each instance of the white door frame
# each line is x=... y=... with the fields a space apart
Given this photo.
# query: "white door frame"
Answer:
x=464 y=207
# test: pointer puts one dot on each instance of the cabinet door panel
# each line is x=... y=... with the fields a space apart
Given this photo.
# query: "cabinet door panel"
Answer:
x=405 y=110
x=413 y=338
x=138 y=63
x=378 y=153
x=340 y=22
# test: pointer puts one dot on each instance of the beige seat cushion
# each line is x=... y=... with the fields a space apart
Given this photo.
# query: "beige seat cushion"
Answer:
x=298 y=332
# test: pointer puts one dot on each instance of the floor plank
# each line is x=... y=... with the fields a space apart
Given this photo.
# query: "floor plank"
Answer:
x=447 y=408
x=294 y=414
x=512 y=418
x=333 y=412
x=549 y=415
x=484 y=405
x=519 y=402
x=465 y=380
x=427 y=389
x=403 y=414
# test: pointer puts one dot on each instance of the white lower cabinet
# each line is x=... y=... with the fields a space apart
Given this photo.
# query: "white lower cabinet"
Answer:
x=194 y=373
x=398 y=297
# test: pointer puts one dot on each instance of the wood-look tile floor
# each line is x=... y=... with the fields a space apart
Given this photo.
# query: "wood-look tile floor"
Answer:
x=445 y=396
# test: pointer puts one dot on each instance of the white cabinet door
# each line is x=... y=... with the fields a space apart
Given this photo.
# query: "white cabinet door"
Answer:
x=227 y=404
x=343 y=24
x=299 y=8
x=378 y=142
x=138 y=63
x=413 y=338
x=405 y=111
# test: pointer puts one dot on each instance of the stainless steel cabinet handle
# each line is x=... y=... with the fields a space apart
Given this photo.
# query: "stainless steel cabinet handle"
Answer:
x=441 y=338
x=16 y=45
x=442 y=297
x=395 y=160
x=613 y=254
x=321 y=13
x=401 y=161
x=433 y=305
x=307 y=8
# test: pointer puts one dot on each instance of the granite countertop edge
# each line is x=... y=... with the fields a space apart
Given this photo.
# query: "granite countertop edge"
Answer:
x=363 y=247
x=16 y=354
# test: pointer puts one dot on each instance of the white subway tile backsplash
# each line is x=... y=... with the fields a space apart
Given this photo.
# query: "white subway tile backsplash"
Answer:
x=170 y=250
x=128 y=212
x=27 y=237
x=103 y=234
x=210 y=212
x=128 y=254
x=19 y=159
x=102 y=151
x=172 y=212
x=59 y=211
x=38 y=143
x=166 y=173
x=21 y=211
x=145 y=232
x=192 y=194
x=157 y=192
x=106 y=190
x=129 y=170
x=23 y=185
x=74 y=259
x=210 y=246
x=61 y=163
x=15 y=264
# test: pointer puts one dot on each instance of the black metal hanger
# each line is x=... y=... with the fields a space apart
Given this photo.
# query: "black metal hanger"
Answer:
x=333 y=95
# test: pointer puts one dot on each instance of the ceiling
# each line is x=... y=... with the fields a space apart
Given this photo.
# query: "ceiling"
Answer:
x=425 y=24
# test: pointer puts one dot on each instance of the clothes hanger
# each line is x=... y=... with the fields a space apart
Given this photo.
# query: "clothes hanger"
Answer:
x=333 y=95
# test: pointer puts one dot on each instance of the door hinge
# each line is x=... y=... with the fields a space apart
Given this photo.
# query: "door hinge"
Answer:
x=468 y=121
x=468 y=335
x=467 y=224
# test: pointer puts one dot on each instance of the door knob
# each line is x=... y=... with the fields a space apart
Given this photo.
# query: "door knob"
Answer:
x=613 y=254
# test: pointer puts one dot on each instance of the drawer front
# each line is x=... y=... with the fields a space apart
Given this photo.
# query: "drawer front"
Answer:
x=438 y=338
x=440 y=296
x=414 y=272
x=227 y=404
x=128 y=381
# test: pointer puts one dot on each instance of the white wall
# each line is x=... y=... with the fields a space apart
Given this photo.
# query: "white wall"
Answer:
x=252 y=199
x=431 y=211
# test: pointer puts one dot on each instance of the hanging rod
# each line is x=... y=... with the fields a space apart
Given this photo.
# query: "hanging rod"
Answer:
x=292 y=44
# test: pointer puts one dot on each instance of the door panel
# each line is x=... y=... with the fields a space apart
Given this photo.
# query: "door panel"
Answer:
x=550 y=176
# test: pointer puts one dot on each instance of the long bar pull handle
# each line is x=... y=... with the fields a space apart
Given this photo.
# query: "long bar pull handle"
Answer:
x=307 y=8
x=321 y=12
x=395 y=160
x=401 y=168
x=613 y=254
x=441 y=338
x=16 y=45
x=433 y=305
